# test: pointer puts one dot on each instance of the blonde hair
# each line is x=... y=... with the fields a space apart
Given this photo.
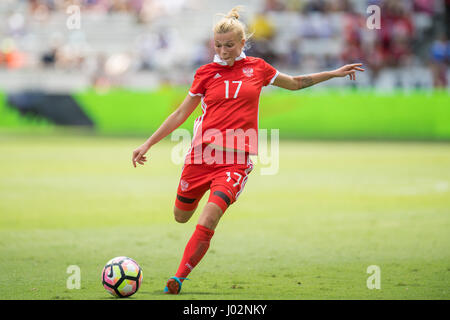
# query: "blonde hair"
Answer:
x=231 y=22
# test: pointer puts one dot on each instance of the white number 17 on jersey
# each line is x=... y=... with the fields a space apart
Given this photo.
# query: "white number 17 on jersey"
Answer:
x=227 y=88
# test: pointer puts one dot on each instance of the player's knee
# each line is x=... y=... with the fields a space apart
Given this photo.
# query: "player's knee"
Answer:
x=209 y=221
x=182 y=216
x=181 y=219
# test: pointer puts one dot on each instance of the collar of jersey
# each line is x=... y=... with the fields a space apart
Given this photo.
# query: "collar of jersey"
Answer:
x=223 y=63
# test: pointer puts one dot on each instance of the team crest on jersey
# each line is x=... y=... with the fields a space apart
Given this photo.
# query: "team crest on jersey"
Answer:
x=248 y=72
x=184 y=185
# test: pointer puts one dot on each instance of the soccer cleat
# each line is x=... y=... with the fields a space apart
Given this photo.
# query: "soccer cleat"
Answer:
x=173 y=285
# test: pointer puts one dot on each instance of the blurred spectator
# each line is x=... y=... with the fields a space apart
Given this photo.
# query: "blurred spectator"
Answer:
x=294 y=57
x=295 y=34
x=396 y=34
x=263 y=31
x=49 y=58
x=204 y=54
x=353 y=25
x=100 y=80
x=316 y=25
x=12 y=57
x=425 y=6
x=261 y=27
x=16 y=24
x=315 y=6
x=274 y=5
x=440 y=58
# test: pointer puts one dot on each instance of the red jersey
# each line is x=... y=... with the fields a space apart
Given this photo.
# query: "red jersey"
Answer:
x=230 y=102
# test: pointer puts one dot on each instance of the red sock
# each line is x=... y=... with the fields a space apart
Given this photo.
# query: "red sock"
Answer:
x=195 y=249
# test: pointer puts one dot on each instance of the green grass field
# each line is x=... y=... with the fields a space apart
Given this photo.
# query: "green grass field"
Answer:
x=308 y=232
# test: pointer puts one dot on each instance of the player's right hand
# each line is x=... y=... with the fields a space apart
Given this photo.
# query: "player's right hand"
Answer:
x=139 y=155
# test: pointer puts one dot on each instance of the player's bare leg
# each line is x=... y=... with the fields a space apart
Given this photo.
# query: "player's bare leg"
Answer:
x=182 y=216
x=210 y=216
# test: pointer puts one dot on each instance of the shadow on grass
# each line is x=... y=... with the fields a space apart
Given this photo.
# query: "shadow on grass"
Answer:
x=159 y=294
x=186 y=293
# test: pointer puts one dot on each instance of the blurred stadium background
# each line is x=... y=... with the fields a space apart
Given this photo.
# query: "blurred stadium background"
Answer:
x=134 y=50
x=68 y=195
x=143 y=44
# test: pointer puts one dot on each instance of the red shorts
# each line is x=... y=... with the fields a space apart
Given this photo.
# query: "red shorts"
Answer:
x=226 y=182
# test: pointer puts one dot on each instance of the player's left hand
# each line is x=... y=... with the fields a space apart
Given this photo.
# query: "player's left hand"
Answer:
x=348 y=70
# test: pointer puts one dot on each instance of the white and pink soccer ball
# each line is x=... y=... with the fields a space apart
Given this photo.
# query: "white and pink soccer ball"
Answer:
x=122 y=277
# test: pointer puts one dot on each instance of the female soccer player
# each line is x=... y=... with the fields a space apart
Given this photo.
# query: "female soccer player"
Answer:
x=228 y=89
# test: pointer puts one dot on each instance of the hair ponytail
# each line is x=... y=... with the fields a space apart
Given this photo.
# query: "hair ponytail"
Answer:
x=234 y=13
x=231 y=22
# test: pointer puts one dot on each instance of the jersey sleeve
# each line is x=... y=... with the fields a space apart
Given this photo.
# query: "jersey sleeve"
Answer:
x=270 y=74
x=198 y=85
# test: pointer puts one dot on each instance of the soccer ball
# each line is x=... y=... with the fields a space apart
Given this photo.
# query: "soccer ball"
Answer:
x=122 y=277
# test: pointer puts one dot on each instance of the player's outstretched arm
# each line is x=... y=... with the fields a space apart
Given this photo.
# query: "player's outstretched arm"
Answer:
x=170 y=124
x=300 y=82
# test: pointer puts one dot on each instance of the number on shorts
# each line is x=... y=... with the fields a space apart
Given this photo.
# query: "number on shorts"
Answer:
x=229 y=178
